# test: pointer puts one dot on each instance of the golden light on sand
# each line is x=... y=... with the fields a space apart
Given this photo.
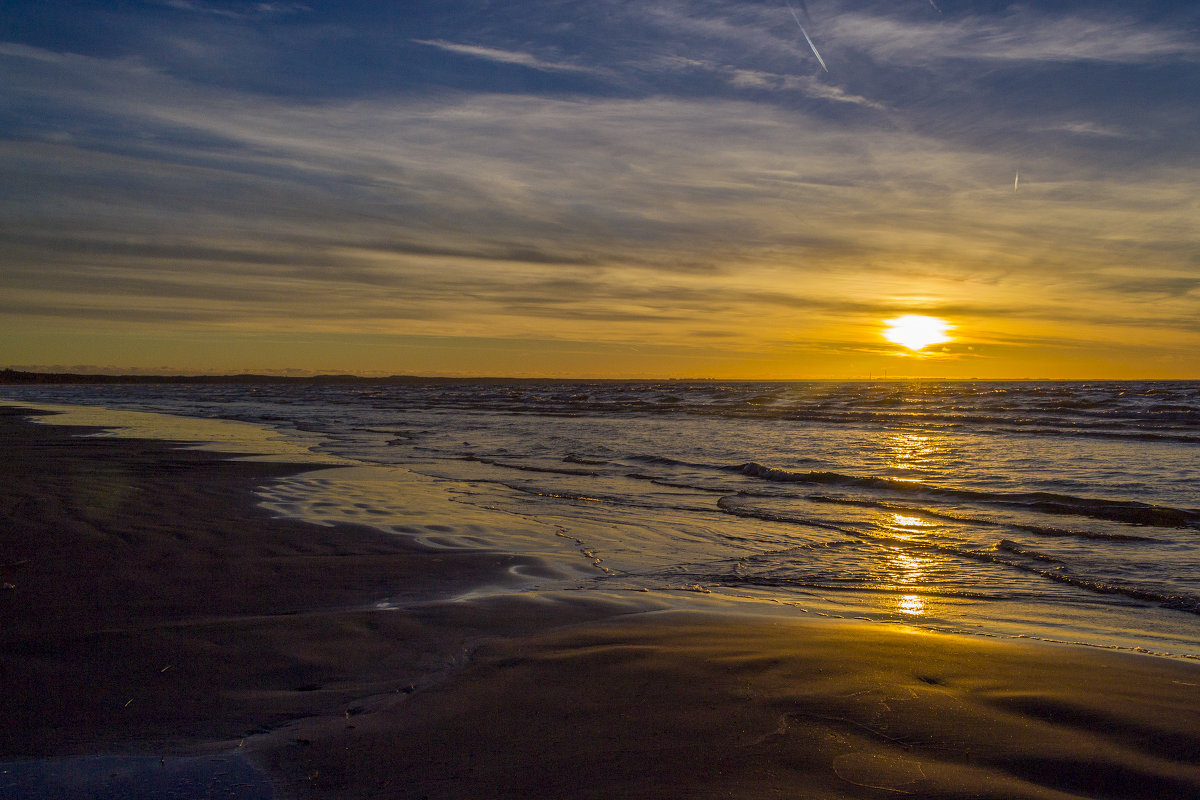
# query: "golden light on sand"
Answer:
x=916 y=332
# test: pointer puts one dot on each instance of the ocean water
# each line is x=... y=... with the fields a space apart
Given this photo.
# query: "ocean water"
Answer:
x=1058 y=511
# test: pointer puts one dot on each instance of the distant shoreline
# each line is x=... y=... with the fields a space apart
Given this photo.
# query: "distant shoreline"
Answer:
x=12 y=377
x=19 y=377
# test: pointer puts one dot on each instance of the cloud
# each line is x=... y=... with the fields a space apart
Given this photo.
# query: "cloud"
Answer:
x=760 y=80
x=814 y=87
x=504 y=56
x=605 y=218
x=1021 y=35
x=1091 y=129
x=744 y=34
x=1158 y=285
x=14 y=50
x=249 y=11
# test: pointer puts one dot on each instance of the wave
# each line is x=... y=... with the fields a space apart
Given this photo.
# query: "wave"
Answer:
x=529 y=467
x=739 y=580
x=665 y=461
x=1016 y=549
x=1178 y=601
x=1132 y=435
x=1001 y=554
x=729 y=506
x=591 y=462
x=657 y=481
x=1061 y=573
x=1043 y=530
x=968 y=519
x=1128 y=511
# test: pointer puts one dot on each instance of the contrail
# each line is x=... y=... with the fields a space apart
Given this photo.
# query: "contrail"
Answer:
x=935 y=6
x=810 y=41
x=1017 y=181
x=814 y=49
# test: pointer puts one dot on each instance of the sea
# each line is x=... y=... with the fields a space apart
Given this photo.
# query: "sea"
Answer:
x=1056 y=511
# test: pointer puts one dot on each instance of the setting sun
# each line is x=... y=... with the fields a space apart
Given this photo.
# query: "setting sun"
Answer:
x=916 y=332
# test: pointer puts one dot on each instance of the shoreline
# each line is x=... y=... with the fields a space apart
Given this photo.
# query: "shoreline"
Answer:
x=156 y=610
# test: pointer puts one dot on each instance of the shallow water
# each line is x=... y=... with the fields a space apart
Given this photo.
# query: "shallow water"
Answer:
x=1062 y=511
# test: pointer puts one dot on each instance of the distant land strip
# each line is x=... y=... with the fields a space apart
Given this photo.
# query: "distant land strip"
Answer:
x=12 y=376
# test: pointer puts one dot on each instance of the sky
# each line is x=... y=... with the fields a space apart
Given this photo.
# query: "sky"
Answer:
x=617 y=188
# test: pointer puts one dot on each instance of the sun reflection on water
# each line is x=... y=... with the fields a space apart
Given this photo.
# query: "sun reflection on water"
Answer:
x=910 y=605
x=905 y=526
x=911 y=451
x=910 y=566
x=903 y=571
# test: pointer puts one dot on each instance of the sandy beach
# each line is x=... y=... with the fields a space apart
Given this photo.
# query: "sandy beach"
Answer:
x=151 y=609
x=148 y=599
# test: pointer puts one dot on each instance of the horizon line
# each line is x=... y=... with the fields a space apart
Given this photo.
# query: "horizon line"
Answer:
x=14 y=377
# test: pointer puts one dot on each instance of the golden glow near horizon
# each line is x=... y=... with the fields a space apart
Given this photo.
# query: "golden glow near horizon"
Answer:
x=916 y=331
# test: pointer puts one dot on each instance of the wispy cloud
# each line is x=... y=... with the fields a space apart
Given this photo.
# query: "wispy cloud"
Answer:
x=504 y=56
x=827 y=91
x=1022 y=35
x=13 y=50
x=1092 y=129
x=248 y=11
x=761 y=80
x=1158 y=285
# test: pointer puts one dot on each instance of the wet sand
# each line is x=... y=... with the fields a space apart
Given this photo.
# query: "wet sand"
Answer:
x=150 y=608
x=685 y=705
x=149 y=604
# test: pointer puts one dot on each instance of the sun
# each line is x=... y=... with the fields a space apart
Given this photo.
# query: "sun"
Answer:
x=916 y=332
